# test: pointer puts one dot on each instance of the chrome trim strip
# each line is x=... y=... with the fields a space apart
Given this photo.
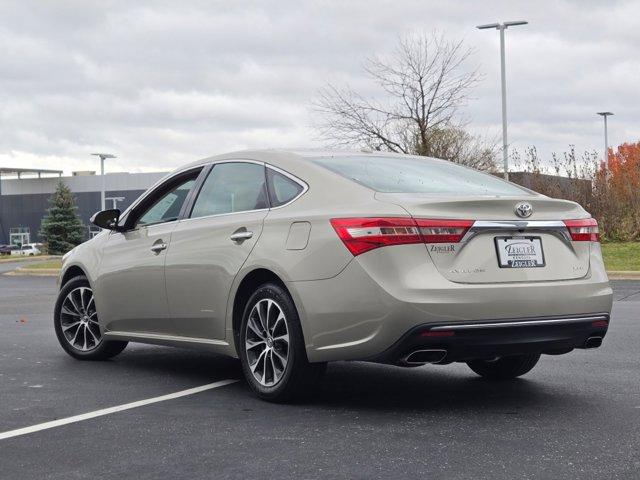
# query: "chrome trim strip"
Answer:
x=520 y=323
x=215 y=215
x=169 y=338
x=553 y=227
x=519 y=224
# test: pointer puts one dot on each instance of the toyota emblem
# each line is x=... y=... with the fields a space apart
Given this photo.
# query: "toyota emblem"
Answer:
x=524 y=210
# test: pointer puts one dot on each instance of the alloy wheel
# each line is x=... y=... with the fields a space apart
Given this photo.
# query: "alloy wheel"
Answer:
x=267 y=342
x=79 y=320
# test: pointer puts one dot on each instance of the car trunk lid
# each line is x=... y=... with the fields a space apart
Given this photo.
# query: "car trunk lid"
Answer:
x=500 y=246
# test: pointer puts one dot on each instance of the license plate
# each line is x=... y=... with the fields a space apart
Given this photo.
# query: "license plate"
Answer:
x=519 y=252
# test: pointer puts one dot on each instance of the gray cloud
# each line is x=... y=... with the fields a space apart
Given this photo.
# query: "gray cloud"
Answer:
x=161 y=83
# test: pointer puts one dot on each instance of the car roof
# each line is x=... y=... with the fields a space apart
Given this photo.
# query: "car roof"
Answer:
x=299 y=162
x=285 y=158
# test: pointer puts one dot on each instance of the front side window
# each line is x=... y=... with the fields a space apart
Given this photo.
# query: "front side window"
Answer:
x=282 y=189
x=232 y=187
x=167 y=207
x=417 y=175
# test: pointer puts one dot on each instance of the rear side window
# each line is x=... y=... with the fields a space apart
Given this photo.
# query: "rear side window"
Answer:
x=417 y=175
x=232 y=187
x=282 y=189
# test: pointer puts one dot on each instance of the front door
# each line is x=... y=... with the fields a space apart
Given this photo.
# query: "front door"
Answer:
x=131 y=293
x=208 y=249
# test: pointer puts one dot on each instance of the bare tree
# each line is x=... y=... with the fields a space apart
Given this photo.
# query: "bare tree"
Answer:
x=455 y=144
x=423 y=84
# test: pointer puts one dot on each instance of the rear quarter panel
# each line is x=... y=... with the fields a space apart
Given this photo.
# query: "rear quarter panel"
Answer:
x=323 y=256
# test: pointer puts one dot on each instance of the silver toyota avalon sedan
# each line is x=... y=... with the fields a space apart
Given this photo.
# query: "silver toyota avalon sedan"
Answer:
x=289 y=260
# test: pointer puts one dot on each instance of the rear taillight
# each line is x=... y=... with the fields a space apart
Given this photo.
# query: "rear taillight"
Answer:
x=363 y=234
x=443 y=231
x=583 y=230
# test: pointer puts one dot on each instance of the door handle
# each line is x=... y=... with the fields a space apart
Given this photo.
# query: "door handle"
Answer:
x=158 y=247
x=241 y=236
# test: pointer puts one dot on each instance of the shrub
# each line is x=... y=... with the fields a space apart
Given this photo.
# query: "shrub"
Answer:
x=611 y=195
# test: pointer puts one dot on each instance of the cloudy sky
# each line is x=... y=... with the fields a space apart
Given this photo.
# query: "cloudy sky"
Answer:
x=163 y=83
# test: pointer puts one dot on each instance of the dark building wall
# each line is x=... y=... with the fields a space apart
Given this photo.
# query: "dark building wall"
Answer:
x=530 y=180
x=28 y=210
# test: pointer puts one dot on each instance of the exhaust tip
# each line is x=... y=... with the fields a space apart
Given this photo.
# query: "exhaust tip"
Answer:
x=593 y=342
x=420 y=357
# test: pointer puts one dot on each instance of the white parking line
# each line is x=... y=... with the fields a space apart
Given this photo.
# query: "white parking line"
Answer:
x=117 y=408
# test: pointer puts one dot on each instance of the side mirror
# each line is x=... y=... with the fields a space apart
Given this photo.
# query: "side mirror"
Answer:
x=107 y=219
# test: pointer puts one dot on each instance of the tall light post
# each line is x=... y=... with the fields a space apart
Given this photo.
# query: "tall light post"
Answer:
x=606 y=138
x=103 y=156
x=502 y=27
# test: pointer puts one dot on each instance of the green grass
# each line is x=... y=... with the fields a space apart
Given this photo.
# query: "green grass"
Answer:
x=16 y=258
x=622 y=256
x=55 y=263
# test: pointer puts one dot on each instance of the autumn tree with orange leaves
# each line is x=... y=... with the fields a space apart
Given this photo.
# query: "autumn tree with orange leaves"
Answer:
x=616 y=194
x=611 y=195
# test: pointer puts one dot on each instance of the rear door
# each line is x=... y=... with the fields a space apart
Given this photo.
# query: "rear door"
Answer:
x=210 y=246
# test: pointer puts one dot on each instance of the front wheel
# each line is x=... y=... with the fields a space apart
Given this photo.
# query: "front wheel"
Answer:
x=77 y=325
x=504 y=368
x=271 y=347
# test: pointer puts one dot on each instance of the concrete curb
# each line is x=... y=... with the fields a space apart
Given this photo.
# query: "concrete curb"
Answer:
x=623 y=275
x=20 y=258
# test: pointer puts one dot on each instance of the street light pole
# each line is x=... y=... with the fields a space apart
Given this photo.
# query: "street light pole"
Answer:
x=606 y=138
x=503 y=77
x=503 y=81
x=103 y=156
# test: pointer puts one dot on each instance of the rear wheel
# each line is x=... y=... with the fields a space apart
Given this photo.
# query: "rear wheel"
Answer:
x=271 y=347
x=77 y=325
x=504 y=368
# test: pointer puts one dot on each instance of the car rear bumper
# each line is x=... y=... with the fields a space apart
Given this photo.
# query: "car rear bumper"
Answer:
x=455 y=342
x=372 y=304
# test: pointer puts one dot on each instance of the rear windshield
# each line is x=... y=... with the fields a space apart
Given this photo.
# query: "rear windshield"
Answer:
x=415 y=175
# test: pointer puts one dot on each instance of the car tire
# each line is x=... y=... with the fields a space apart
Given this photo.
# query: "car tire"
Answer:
x=77 y=325
x=272 y=350
x=504 y=368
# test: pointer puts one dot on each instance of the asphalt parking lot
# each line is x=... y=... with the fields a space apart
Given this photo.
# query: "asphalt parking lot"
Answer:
x=574 y=416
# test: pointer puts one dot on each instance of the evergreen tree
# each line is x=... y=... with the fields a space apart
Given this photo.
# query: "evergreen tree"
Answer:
x=61 y=228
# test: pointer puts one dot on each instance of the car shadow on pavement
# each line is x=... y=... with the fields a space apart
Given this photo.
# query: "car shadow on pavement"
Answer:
x=383 y=388
x=147 y=362
x=356 y=385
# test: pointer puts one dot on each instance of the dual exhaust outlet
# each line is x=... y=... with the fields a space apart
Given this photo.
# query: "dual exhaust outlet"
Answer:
x=421 y=357
x=424 y=356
